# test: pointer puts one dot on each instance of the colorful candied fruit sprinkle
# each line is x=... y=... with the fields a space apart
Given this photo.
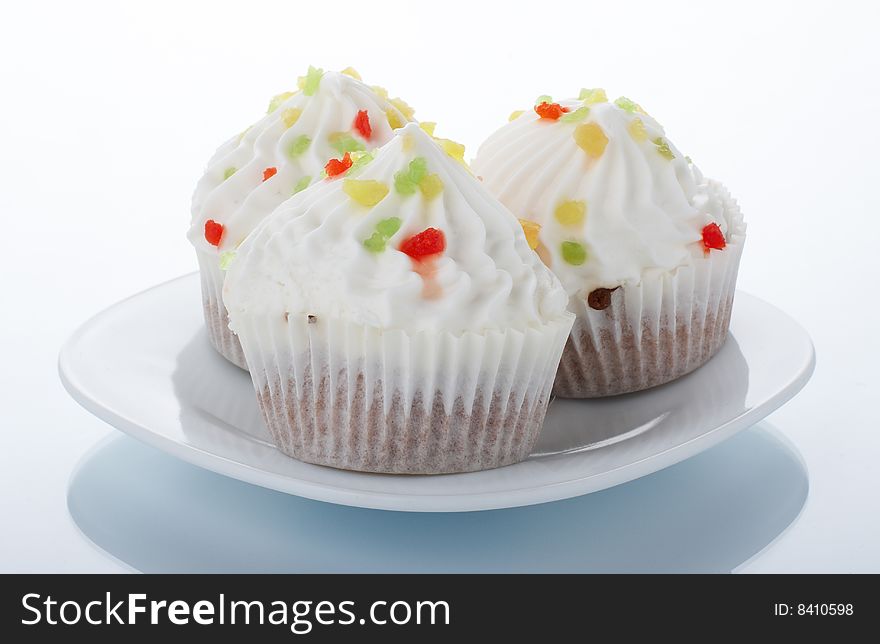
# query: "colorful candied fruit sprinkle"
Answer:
x=310 y=82
x=362 y=124
x=213 y=232
x=299 y=145
x=375 y=243
x=515 y=115
x=302 y=184
x=404 y=108
x=430 y=241
x=663 y=148
x=380 y=91
x=593 y=96
x=359 y=160
x=407 y=180
x=453 y=149
x=532 y=230
x=335 y=167
x=578 y=115
x=344 y=142
x=268 y=173
x=573 y=253
x=385 y=230
x=226 y=259
x=409 y=142
x=389 y=227
x=713 y=238
x=571 y=213
x=637 y=131
x=228 y=172
x=431 y=186
x=550 y=111
x=366 y=192
x=290 y=116
x=395 y=121
x=277 y=100
x=591 y=138
x=627 y=105
x=351 y=71
x=428 y=127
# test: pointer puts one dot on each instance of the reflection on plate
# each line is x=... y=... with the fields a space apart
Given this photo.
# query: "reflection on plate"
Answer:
x=710 y=513
x=194 y=405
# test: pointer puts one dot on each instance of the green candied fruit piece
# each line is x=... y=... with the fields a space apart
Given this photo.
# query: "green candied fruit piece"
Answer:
x=299 y=145
x=626 y=104
x=388 y=227
x=226 y=259
x=407 y=181
x=358 y=160
x=573 y=253
x=302 y=184
x=578 y=115
x=543 y=98
x=663 y=148
x=375 y=243
x=228 y=172
x=418 y=168
x=344 y=142
x=309 y=83
x=592 y=96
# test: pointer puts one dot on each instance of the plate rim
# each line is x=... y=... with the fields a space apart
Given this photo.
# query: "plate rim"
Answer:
x=426 y=502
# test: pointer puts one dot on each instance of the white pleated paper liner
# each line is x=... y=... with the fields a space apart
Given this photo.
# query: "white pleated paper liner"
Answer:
x=657 y=330
x=352 y=397
x=216 y=320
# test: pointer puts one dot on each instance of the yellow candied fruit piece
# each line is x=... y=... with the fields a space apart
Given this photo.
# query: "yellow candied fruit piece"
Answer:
x=277 y=100
x=453 y=149
x=366 y=192
x=380 y=91
x=404 y=108
x=351 y=71
x=515 y=115
x=428 y=127
x=290 y=116
x=431 y=186
x=408 y=142
x=571 y=213
x=593 y=96
x=591 y=138
x=531 y=230
x=394 y=119
x=637 y=130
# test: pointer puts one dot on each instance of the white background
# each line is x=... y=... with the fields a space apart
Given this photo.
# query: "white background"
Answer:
x=109 y=112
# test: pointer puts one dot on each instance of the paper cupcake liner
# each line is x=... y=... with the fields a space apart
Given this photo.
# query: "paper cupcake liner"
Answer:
x=216 y=319
x=655 y=331
x=356 y=398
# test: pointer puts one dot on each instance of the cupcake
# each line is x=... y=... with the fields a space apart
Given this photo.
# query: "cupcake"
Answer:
x=394 y=319
x=645 y=246
x=324 y=127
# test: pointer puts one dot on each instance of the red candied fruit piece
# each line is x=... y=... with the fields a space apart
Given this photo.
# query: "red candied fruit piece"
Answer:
x=362 y=124
x=550 y=111
x=430 y=241
x=268 y=173
x=335 y=167
x=213 y=232
x=713 y=237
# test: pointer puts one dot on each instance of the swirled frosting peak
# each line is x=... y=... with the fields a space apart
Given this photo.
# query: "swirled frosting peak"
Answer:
x=409 y=241
x=608 y=194
x=323 y=126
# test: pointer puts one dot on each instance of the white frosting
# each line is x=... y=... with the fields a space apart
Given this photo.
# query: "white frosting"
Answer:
x=643 y=211
x=242 y=200
x=308 y=257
